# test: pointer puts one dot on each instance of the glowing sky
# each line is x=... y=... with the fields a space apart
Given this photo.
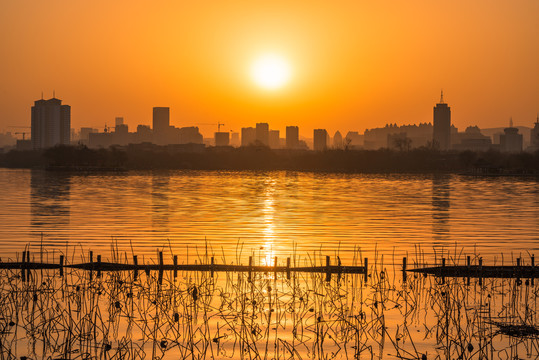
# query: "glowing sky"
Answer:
x=354 y=64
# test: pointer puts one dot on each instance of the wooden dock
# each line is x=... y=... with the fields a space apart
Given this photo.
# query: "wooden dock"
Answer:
x=100 y=266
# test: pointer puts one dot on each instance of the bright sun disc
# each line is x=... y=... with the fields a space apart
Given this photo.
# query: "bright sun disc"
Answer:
x=270 y=72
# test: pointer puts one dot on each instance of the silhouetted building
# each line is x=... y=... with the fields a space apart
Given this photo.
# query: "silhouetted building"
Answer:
x=534 y=136
x=320 y=137
x=354 y=140
x=24 y=145
x=144 y=134
x=399 y=142
x=292 y=137
x=222 y=138
x=161 y=125
x=51 y=123
x=441 y=135
x=235 y=139
x=262 y=133
x=274 y=141
x=248 y=136
x=471 y=139
x=190 y=135
x=511 y=140
x=337 y=140
x=118 y=121
x=84 y=134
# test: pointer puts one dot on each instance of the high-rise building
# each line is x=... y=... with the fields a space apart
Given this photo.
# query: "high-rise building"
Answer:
x=262 y=133
x=235 y=139
x=118 y=121
x=441 y=136
x=292 y=137
x=248 y=136
x=161 y=124
x=320 y=137
x=274 y=140
x=51 y=123
x=222 y=138
x=534 y=136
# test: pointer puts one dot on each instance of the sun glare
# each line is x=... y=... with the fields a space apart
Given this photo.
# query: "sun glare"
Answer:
x=270 y=72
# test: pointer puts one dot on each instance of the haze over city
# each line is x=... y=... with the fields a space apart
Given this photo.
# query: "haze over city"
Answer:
x=350 y=66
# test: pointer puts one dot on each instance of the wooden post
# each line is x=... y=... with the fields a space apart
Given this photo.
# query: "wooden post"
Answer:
x=211 y=266
x=404 y=269
x=480 y=271
x=160 y=259
x=518 y=262
x=61 y=265
x=443 y=262
x=366 y=264
x=249 y=278
x=28 y=256
x=468 y=262
x=175 y=266
x=533 y=265
x=288 y=268
x=135 y=262
x=328 y=270
x=98 y=265
x=275 y=268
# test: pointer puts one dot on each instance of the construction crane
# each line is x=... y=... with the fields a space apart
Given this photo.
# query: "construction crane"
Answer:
x=218 y=125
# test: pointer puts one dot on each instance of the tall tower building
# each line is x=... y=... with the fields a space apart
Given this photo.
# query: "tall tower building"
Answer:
x=248 y=136
x=161 y=124
x=262 y=133
x=441 y=136
x=292 y=137
x=51 y=123
x=320 y=139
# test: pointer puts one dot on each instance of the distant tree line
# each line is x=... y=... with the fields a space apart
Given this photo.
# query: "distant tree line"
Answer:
x=136 y=157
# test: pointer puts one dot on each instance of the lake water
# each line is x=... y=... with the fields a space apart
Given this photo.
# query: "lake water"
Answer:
x=232 y=215
x=269 y=214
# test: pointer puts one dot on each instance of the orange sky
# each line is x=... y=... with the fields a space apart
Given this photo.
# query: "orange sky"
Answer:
x=355 y=64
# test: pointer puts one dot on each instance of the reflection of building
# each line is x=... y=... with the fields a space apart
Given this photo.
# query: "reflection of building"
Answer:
x=222 y=138
x=320 y=137
x=160 y=202
x=248 y=136
x=51 y=123
x=441 y=135
x=441 y=191
x=262 y=133
x=511 y=140
x=292 y=137
x=49 y=200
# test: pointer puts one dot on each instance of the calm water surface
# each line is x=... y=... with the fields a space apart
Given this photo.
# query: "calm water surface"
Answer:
x=268 y=213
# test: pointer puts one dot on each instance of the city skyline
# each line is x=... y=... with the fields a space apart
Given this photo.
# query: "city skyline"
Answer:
x=356 y=66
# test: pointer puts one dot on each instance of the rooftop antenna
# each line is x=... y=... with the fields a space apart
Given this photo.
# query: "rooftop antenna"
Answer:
x=442 y=97
x=41 y=95
x=511 y=121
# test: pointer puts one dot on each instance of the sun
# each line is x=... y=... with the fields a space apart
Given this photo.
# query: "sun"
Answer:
x=270 y=71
